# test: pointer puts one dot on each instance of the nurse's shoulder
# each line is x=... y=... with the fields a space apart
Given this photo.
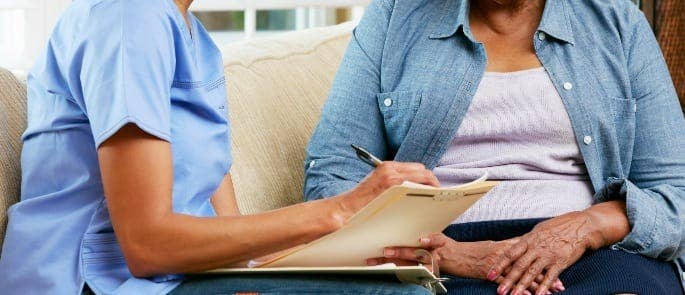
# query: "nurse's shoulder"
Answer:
x=129 y=16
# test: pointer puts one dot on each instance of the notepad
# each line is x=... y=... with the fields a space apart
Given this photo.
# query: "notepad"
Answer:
x=398 y=217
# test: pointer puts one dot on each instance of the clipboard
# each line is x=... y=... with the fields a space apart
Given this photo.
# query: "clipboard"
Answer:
x=419 y=275
x=400 y=216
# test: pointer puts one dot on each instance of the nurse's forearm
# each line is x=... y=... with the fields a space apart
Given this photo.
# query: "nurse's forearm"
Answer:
x=182 y=243
x=137 y=176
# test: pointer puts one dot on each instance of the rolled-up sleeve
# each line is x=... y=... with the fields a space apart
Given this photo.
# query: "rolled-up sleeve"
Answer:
x=351 y=114
x=655 y=188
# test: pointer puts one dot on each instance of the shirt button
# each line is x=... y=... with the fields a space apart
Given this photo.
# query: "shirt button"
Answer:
x=587 y=139
x=542 y=36
x=312 y=164
x=568 y=86
x=387 y=102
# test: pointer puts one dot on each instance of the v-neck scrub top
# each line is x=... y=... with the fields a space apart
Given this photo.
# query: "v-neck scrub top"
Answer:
x=110 y=63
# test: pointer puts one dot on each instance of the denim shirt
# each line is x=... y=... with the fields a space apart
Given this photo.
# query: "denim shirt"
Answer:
x=412 y=68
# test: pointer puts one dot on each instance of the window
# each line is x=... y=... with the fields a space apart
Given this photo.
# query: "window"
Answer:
x=231 y=20
x=25 y=25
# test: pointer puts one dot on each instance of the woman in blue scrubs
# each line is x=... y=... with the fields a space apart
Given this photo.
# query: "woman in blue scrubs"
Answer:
x=126 y=160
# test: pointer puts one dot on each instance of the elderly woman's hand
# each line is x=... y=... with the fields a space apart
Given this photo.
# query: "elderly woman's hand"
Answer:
x=555 y=244
x=462 y=259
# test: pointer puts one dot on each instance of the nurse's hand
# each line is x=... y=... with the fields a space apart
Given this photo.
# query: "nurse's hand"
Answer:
x=386 y=175
x=462 y=259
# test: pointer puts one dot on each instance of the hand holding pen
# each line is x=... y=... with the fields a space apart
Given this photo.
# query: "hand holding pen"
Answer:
x=416 y=169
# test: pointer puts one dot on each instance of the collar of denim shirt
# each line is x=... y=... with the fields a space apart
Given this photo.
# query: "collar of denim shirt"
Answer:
x=555 y=21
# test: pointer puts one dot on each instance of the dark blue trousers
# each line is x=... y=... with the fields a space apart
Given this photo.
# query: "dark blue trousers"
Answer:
x=600 y=272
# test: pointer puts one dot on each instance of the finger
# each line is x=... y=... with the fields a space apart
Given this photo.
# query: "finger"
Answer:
x=423 y=177
x=533 y=286
x=404 y=253
x=519 y=268
x=419 y=171
x=529 y=276
x=557 y=286
x=434 y=241
x=551 y=276
x=383 y=260
x=508 y=257
x=408 y=167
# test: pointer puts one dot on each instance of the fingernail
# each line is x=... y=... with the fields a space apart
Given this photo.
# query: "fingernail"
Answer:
x=503 y=289
x=389 y=252
x=371 y=262
x=559 y=286
x=527 y=292
x=492 y=275
x=516 y=292
x=424 y=241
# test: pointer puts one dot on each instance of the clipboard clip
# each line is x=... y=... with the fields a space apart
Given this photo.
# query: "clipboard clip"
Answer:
x=434 y=284
x=449 y=196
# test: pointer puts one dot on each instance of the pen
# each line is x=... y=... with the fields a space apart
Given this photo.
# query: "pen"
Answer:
x=365 y=156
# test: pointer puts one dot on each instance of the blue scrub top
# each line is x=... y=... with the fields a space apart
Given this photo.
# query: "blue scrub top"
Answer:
x=110 y=63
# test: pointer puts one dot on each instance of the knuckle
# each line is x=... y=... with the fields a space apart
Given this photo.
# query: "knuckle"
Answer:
x=534 y=269
x=520 y=265
x=508 y=254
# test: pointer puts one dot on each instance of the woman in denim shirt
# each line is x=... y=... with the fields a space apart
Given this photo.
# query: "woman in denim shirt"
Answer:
x=568 y=103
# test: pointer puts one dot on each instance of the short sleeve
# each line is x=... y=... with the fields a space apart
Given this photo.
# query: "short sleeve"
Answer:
x=127 y=70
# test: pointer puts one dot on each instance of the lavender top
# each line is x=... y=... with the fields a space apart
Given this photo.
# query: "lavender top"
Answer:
x=517 y=129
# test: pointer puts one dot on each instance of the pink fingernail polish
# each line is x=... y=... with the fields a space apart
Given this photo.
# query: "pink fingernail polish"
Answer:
x=389 y=252
x=424 y=241
x=492 y=275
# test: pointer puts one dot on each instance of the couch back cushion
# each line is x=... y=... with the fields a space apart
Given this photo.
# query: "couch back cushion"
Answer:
x=12 y=125
x=277 y=87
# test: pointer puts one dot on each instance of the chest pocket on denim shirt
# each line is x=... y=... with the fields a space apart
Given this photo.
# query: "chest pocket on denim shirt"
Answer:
x=398 y=109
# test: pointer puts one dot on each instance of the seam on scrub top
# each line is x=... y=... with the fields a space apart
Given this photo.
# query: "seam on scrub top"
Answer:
x=130 y=119
x=208 y=85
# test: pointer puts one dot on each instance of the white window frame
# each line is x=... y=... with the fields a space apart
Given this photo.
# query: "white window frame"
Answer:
x=315 y=8
x=39 y=17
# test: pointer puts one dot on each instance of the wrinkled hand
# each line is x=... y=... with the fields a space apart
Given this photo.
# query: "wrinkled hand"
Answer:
x=550 y=248
x=462 y=259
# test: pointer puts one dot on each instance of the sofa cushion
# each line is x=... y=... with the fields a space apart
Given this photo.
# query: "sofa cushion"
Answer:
x=12 y=125
x=277 y=87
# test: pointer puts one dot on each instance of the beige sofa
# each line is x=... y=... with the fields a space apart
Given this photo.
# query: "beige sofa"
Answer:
x=277 y=87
